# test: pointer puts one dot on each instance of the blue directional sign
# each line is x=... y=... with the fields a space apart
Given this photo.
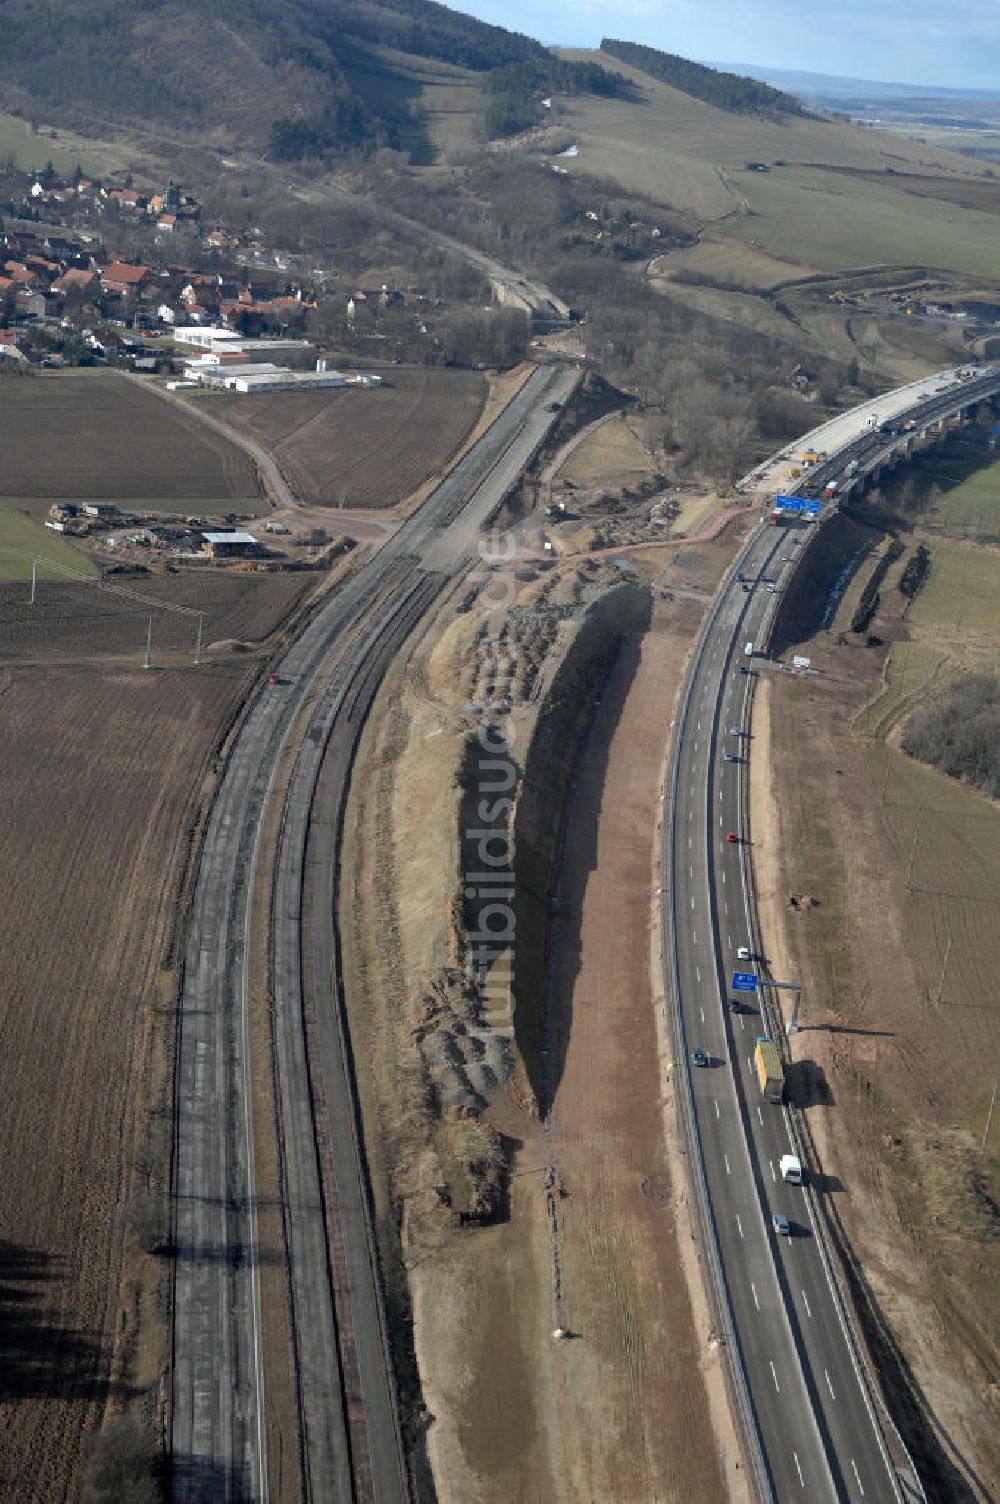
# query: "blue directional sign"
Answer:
x=744 y=981
x=806 y=506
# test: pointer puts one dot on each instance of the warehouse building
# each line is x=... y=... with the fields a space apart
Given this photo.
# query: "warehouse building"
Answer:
x=230 y=545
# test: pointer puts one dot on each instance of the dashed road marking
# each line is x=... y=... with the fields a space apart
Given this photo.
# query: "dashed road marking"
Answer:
x=702 y=1012
x=774 y=1376
x=805 y=1301
x=739 y=1224
x=753 y=1291
x=761 y=1116
x=828 y=1384
x=716 y=1106
x=858 y=1476
x=773 y=1176
x=725 y=1160
x=798 y=1469
x=697 y=972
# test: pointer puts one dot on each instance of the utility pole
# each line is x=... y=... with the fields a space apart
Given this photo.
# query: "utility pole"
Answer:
x=944 y=968
x=989 y=1119
x=149 y=642
x=793 y=1022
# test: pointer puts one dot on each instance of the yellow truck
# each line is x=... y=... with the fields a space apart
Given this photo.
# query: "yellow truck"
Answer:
x=770 y=1074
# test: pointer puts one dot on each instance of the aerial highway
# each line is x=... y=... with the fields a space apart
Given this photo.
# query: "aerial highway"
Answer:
x=811 y=1420
x=349 y=1446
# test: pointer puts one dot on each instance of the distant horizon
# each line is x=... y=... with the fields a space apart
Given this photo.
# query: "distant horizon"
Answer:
x=925 y=48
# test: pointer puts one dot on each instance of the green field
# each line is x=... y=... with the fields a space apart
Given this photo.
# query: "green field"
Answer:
x=31 y=151
x=973 y=505
x=22 y=538
x=962 y=592
x=833 y=222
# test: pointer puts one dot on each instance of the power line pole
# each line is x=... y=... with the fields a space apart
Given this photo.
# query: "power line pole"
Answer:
x=989 y=1119
x=944 y=968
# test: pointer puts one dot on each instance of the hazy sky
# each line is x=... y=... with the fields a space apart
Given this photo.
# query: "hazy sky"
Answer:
x=952 y=42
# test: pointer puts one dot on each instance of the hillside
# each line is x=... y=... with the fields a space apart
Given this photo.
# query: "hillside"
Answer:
x=293 y=77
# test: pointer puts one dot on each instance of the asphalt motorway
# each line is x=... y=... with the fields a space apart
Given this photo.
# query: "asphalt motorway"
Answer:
x=820 y=1440
x=218 y=1406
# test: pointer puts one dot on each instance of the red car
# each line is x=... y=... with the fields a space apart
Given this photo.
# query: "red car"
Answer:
x=273 y=679
x=731 y=836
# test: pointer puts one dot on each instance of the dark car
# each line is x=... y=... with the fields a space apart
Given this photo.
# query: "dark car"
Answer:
x=744 y=669
x=699 y=1057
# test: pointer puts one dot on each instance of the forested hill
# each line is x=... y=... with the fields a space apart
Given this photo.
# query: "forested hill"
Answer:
x=727 y=91
x=271 y=75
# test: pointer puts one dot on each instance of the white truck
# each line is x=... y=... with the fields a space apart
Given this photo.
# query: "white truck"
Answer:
x=791 y=1169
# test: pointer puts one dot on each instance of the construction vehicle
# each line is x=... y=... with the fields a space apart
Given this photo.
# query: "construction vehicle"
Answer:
x=810 y=457
x=795 y=472
x=770 y=1073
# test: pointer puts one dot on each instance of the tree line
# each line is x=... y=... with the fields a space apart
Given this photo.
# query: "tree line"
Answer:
x=727 y=91
x=958 y=732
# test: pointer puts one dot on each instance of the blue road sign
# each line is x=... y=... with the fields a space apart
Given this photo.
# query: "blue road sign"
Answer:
x=803 y=505
x=744 y=981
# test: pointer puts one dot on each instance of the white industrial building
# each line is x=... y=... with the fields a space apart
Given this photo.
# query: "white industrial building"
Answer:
x=207 y=339
x=249 y=377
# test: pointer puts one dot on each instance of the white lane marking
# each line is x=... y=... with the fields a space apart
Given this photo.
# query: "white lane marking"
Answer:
x=716 y=1106
x=830 y=1387
x=739 y=1224
x=774 y=1376
x=694 y=936
x=723 y=875
x=695 y=747
x=690 y=814
x=742 y=1024
x=858 y=1476
x=725 y=906
x=702 y=1012
x=697 y=972
x=690 y=871
x=798 y=1469
x=773 y=1176
x=692 y=900
x=692 y=791
x=749 y=1064
x=725 y=1159
x=699 y=728
x=805 y=1300
x=720 y=793
x=690 y=842
x=761 y=1116
x=753 y=1290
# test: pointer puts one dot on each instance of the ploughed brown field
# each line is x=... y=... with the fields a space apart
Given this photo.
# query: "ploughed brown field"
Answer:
x=86 y=435
x=363 y=448
x=101 y=772
x=75 y=621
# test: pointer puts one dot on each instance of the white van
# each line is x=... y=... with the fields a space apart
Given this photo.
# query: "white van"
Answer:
x=743 y=954
x=748 y=649
x=791 y=1169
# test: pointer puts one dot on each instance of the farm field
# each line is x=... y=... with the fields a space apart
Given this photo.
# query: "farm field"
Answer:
x=103 y=764
x=71 y=621
x=100 y=769
x=364 y=448
x=86 y=435
x=23 y=538
x=962 y=591
x=832 y=221
x=689 y=156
